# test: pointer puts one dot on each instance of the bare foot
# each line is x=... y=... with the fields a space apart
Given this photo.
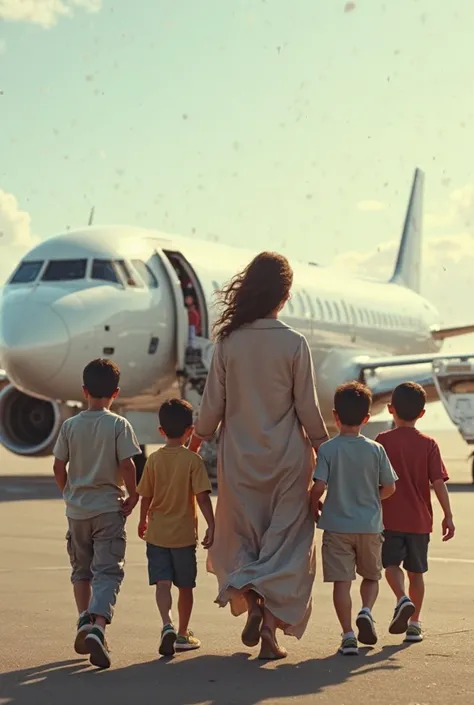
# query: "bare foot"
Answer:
x=270 y=649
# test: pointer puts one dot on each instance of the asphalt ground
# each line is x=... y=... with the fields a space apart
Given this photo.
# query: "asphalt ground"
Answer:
x=37 y=623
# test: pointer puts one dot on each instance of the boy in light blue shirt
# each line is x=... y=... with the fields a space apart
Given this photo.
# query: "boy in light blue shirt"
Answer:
x=356 y=474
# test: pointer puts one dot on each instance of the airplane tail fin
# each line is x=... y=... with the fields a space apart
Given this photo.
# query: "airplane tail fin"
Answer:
x=408 y=266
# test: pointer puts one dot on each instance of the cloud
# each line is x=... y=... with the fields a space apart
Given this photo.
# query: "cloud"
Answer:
x=447 y=272
x=45 y=13
x=371 y=206
x=16 y=235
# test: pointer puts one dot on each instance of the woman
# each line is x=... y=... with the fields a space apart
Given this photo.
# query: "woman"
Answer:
x=261 y=388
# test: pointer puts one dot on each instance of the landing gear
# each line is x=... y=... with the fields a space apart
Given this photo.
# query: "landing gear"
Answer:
x=140 y=461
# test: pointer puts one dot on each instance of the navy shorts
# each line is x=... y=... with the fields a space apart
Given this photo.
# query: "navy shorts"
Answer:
x=409 y=549
x=178 y=565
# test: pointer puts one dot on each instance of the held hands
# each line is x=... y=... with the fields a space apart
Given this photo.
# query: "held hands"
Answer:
x=208 y=539
x=447 y=528
x=142 y=527
x=195 y=444
x=129 y=504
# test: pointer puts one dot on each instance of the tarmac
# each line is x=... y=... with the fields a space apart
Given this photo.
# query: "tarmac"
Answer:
x=37 y=616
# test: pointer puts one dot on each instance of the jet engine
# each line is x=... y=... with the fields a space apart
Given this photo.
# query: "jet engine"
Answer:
x=30 y=426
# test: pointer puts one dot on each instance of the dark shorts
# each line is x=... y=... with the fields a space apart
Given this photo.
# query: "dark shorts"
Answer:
x=409 y=549
x=177 y=565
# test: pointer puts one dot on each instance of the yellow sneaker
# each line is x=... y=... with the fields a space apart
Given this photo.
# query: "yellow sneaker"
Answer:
x=187 y=642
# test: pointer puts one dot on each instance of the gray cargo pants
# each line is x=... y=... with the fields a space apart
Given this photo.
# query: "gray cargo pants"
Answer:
x=96 y=549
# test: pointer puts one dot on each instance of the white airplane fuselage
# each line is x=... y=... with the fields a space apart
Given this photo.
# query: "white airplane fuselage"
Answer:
x=118 y=292
x=51 y=329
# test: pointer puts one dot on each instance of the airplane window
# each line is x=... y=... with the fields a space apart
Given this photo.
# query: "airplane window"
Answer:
x=61 y=270
x=310 y=304
x=302 y=304
x=26 y=272
x=145 y=273
x=338 y=313
x=126 y=273
x=320 y=309
x=329 y=310
x=104 y=270
x=345 y=311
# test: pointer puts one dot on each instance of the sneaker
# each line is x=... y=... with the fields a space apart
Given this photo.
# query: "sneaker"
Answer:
x=187 y=642
x=414 y=633
x=97 y=648
x=84 y=625
x=168 y=639
x=403 y=612
x=349 y=646
x=366 y=626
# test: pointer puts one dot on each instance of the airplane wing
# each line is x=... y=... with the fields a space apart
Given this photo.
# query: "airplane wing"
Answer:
x=383 y=374
x=443 y=333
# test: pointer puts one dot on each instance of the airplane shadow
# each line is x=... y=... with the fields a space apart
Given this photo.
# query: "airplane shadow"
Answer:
x=460 y=486
x=216 y=680
x=16 y=488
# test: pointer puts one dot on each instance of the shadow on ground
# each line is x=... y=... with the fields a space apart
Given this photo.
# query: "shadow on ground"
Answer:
x=460 y=487
x=18 y=488
x=217 y=680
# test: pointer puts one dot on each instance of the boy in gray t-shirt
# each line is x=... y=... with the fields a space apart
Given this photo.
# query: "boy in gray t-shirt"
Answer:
x=357 y=475
x=99 y=447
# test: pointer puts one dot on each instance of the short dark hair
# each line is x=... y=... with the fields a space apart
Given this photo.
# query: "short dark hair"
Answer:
x=101 y=378
x=408 y=400
x=176 y=415
x=352 y=402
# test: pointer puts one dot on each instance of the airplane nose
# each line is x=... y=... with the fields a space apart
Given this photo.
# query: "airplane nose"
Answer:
x=34 y=343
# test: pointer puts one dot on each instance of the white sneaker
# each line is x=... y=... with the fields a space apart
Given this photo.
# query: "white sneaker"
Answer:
x=414 y=634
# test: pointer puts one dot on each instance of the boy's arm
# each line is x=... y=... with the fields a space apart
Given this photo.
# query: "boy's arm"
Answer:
x=127 y=446
x=321 y=479
x=143 y=524
x=129 y=475
x=60 y=473
x=146 y=490
x=447 y=525
x=205 y=505
x=438 y=477
x=201 y=487
x=61 y=459
x=387 y=475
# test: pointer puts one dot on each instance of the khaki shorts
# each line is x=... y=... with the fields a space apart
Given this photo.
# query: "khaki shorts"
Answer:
x=344 y=554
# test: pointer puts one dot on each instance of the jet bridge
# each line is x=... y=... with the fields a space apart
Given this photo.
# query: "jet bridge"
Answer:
x=454 y=382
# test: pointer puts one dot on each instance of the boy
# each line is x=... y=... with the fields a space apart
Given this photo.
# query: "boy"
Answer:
x=99 y=447
x=408 y=515
x=173 y=479
x=357 y=475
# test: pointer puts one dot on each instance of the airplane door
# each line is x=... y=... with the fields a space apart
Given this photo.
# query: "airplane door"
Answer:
x=177 y=314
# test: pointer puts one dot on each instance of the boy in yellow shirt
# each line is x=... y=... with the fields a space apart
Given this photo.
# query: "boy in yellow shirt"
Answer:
x=173 y=479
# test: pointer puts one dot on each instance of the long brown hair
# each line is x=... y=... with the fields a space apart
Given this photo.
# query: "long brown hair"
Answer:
x=253 y=293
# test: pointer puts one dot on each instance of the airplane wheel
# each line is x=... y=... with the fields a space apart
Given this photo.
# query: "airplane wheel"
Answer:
x=140 y=461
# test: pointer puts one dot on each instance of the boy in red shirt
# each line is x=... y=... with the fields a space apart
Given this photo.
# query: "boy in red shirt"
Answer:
x=408 y=514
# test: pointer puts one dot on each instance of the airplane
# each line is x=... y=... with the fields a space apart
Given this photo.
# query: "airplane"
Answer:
x=118 y=292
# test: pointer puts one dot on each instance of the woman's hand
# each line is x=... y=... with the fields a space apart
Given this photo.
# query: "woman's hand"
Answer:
x=195 y=444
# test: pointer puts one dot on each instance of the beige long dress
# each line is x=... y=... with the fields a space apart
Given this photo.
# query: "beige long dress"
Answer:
x=261 y=388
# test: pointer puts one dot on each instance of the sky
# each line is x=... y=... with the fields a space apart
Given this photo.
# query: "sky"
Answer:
x=286 y=124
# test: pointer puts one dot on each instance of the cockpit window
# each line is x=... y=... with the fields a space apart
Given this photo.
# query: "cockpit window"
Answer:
x=104 y=270
x=146 y=274
x=125 y=272
x=61 y=270
x=26 y=273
